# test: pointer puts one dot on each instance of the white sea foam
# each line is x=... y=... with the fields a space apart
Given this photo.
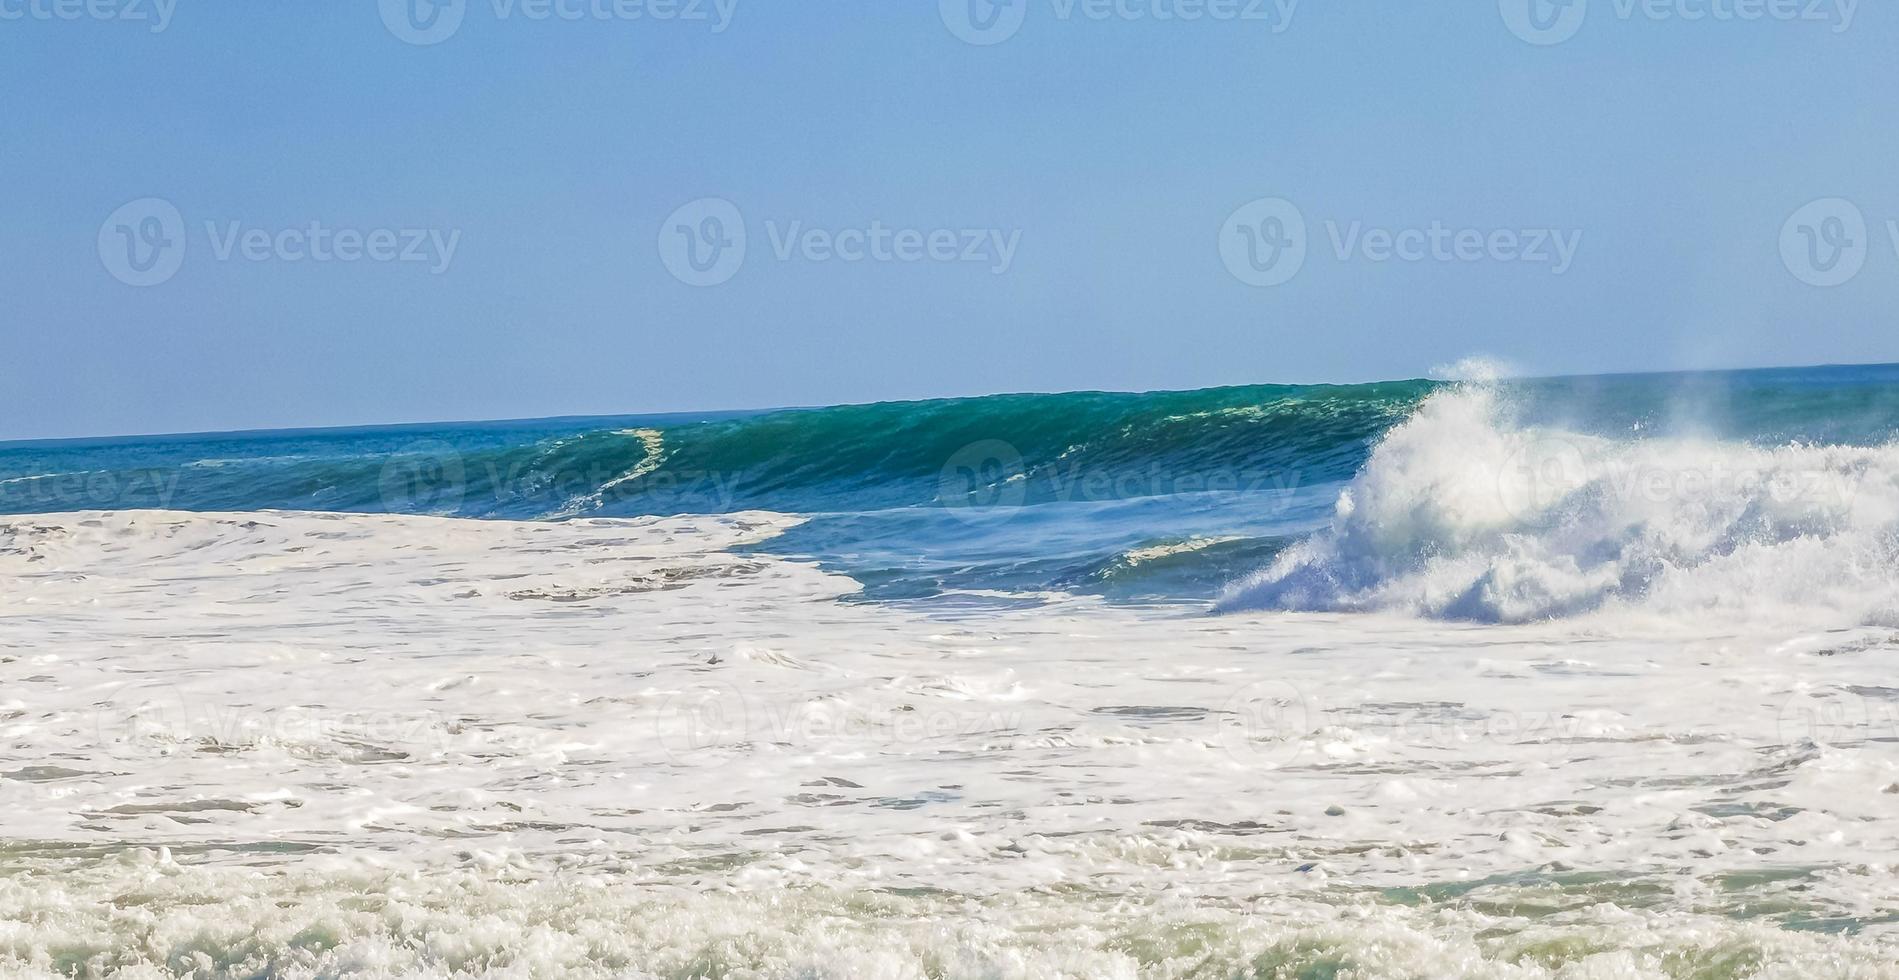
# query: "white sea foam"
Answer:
x=303 y=745
x=498 y=915
x=1140 y=556
x=653 y=444
x=1460 y=513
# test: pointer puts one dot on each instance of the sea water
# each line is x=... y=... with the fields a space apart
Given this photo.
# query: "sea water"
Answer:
x=1576 y=677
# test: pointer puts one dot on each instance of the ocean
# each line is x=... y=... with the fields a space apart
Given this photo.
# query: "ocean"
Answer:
x=1573 y=677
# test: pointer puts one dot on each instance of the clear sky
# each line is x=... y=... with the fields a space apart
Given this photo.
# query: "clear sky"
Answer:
x=354 y=228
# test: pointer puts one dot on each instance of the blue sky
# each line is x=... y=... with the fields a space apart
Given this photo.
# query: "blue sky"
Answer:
x=1069 y=205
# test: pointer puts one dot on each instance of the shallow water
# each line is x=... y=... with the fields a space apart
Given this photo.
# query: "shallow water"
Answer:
x=290 y=744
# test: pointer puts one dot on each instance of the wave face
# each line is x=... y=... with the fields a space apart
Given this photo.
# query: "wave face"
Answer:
x=1391 y=496
x=859 y=458
x=1020 y=492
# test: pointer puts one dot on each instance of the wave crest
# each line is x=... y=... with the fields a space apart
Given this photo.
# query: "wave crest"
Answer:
x=1462 y=514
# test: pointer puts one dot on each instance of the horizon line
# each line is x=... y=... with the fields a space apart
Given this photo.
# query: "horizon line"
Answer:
x=720 y=414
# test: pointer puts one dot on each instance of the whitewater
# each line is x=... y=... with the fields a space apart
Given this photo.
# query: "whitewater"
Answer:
x=1460 y=515
x=1581 y=678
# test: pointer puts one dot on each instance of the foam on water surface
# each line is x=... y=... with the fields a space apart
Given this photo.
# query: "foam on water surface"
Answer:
x=1463 y=512
x=289 y=744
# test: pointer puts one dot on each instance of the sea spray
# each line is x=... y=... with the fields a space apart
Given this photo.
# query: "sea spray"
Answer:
x=1463 y=512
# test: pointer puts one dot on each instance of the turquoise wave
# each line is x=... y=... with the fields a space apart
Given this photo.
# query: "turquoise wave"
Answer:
x=1150 y=495
x=848 y=458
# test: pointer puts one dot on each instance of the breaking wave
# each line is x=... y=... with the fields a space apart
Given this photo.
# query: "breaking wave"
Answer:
x=1466 y=512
